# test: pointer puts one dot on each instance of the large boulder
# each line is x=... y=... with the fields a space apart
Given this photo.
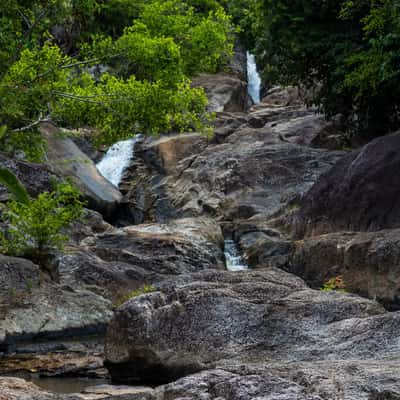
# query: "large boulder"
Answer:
x=32 y=306
x=225 y=92
x=117 y=261
x=221 y=319
x=368 y=262
x=67 y=160
x=359 y=193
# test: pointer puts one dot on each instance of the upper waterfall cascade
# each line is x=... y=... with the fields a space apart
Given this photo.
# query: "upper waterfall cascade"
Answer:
x=117 y=159
x=253 y=78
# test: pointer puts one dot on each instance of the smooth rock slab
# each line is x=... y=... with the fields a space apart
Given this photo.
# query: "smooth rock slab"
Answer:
x=360 y=193
x=67 y=160
x=204 y=319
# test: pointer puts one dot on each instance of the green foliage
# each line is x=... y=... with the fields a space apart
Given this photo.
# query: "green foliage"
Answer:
x=35 y=227
x=13 y=184
x=135 y=293
x=151 y=49
x=30 y=86
x=350 y=50
x=28 y=145
x=120 y=108
x=206 y=41
x=336 y=284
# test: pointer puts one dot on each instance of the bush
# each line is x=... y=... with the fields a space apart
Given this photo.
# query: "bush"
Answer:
x=34 y=228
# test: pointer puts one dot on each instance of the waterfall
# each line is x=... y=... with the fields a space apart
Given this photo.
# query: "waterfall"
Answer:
x=253 y=78
x=234 y=261
x=116 y=160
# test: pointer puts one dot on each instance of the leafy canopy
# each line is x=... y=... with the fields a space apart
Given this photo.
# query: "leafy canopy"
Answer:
x=348 y=49
x=146 y=58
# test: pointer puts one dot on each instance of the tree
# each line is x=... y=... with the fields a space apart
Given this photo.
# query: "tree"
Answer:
x=149 y=65
x=348 y=49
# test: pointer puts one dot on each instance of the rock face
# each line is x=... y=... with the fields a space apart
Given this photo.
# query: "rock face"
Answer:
x=35 y=177
x=67 y=160
x=31 y=306
x=360 y=193
x=369 y=263
x=261 y=327
x=120 y=260
x=202 y=332
x=225 y=92
x=254 y=170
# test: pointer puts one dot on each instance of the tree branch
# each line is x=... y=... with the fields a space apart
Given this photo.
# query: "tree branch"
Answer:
x=33 y=124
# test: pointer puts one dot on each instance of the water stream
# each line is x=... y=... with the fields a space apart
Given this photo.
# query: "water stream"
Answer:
x=253 y=78
x=234 y=261
x=117 y=159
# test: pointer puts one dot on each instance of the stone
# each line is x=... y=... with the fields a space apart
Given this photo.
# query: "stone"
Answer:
x=117 y=392
x=67 y=160
x=369 y=263
x=360 y=193
x=117 y=261
x=35 y=177
x=225 y=92
x=34 y=306
x=212 y=319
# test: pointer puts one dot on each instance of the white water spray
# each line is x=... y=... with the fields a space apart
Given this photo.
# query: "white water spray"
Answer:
x=116 y=160
x=253 y=78
x=234 y=261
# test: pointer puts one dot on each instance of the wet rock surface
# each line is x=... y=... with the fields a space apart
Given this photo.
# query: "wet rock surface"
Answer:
x=254 y=170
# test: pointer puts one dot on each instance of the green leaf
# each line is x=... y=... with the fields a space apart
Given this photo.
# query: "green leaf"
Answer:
x=3 y=131
x=14 y=185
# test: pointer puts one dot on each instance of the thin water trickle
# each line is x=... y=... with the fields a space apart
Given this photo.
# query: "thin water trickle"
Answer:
x=253 y=78
x=117 y=159
x=234 y=261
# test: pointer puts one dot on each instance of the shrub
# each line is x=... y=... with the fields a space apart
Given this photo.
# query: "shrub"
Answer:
x=34 y=228
x=337 y=283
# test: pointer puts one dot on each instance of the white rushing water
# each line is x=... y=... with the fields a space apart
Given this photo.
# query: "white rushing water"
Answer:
x=253 y=78
x=234 y=261
x=116 y=160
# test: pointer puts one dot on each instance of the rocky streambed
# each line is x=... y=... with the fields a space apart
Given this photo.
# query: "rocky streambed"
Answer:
x=296 y=210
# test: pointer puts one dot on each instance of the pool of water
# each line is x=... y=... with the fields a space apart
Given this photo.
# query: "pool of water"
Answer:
x=66 y=385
